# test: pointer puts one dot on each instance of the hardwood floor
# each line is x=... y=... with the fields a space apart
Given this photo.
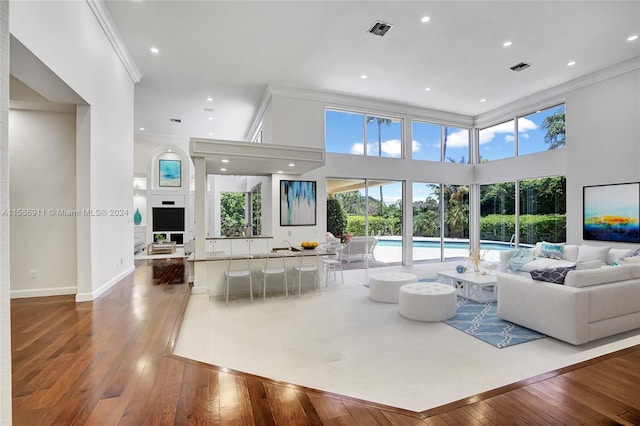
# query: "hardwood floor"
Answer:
x=109 y=362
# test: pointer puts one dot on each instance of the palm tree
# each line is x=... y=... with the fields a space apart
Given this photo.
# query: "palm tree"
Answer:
x=380 y=121
x=554 y=125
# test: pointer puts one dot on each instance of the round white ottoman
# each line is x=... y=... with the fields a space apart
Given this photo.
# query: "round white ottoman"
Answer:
x=427 y=301
x=385 y=286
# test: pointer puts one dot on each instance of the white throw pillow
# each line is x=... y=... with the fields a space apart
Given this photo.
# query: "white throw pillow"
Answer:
x=570 y=252
x=592 y=264
x=587 y=253
x=615 y=254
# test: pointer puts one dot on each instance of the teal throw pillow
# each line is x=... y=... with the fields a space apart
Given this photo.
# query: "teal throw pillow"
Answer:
x=552 y=251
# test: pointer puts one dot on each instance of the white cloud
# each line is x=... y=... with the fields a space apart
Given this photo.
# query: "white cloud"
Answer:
x=357 y=148
x=415 y=146
x=524 y=125
x=459 y=139
x=392 y=147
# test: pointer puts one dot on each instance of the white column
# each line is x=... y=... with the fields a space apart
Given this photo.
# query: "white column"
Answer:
x=200 y=203
x=5 y=307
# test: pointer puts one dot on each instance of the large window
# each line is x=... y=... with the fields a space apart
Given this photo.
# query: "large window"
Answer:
x=426 y=221
x=536 y=132
x=373 y=210
x=363 y=134
x=541 y=131
x=496 y=142
x=541 y=206
x=434 y=142
x=543 y=210
x=497 y=212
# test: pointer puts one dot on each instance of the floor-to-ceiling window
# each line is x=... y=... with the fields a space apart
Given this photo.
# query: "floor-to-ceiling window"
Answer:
x=426 y=222
x=455 y=224
x=372 y=211
x=542 y=210
x=541 y=207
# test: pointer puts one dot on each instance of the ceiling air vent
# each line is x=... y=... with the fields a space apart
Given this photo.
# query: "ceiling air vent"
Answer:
x=380 y=28
x=175 y=120
x=520 y=67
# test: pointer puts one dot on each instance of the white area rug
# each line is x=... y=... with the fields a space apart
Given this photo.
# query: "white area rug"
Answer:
x=343 y=342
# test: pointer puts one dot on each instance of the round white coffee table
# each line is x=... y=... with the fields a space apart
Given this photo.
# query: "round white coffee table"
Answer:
x=427 y=301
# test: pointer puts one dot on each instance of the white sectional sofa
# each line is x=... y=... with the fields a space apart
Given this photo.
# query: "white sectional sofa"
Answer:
x=593 y=299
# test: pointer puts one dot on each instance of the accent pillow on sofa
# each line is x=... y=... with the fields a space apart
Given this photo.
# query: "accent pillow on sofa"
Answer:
x=615 y=254
x=570 y=252
x=588 y=253
x=591 y=264
x=551 y=250
x=551 y=275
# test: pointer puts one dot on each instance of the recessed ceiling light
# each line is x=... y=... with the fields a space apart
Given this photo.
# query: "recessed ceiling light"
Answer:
x=632 y=38
x=142 y=129
x=210 y=134
x=483 y=100
x=224 y=160
x=169 y=150
x=209 y=99
x=279 y=171
x=427 y=89
x=291 y=165
x=210 y=118
x=507 y=43
x=363 y=76
x=572 y=63
x=223 y=169
x=154 y=50
x=425 y=19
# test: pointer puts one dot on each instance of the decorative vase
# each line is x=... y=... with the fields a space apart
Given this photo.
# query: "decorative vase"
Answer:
x=137 y=217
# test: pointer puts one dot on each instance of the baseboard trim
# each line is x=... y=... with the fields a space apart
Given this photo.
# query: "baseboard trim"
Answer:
x=88 y=297
x=199 y=289
x=42 y=292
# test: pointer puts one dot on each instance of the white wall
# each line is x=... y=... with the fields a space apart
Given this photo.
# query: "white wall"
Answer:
x=603 y=142
x=42 y=155
x=68 y=39
x=5 y=323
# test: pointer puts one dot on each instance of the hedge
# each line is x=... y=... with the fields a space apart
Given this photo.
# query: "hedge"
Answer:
x=533 y=228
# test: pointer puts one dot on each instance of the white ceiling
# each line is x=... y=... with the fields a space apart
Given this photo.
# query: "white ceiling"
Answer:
x=231 y=51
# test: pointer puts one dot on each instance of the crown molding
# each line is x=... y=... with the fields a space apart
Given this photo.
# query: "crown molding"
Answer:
x=108 y=26
x=554 y=95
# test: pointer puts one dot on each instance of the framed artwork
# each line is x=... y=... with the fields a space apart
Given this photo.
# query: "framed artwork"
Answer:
x=297 y=203
x=170 y=172
x=612 y=212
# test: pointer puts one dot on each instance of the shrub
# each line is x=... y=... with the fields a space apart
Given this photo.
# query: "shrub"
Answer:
x=336 y=218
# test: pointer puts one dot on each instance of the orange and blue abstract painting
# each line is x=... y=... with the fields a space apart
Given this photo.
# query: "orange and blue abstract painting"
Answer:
x=612 y=212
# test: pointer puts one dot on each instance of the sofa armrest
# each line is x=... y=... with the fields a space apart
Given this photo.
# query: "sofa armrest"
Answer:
x=552 y=309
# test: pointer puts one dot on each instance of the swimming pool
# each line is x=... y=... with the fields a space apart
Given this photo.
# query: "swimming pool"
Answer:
x=460 y=245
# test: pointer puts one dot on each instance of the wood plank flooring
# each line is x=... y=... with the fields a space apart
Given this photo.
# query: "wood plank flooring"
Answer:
x=109 y=362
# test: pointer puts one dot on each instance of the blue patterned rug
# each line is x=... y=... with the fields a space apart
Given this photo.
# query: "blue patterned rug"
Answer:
x=481 y=320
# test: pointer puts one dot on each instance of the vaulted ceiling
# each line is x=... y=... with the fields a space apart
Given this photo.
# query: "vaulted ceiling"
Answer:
x=230 y=51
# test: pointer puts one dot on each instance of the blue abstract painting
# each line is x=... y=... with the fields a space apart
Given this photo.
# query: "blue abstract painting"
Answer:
x=612 y=212
x=297 y=203
x=170 y=173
